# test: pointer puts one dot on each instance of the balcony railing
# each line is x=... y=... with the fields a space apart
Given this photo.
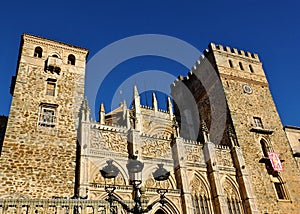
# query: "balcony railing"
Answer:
x=53 y=64
x=53 y=206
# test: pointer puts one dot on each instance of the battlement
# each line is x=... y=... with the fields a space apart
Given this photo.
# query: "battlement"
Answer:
x=233 y=51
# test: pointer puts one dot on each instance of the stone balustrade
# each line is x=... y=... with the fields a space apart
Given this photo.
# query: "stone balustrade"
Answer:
x=53 y=206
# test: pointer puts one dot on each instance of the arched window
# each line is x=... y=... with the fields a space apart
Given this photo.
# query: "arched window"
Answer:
x=200 y=196
x=279 y=188
x=55 y=55
x=71 y=59
x=265 y=147
x=159 y=212
x=233 y=197
x=38 y=52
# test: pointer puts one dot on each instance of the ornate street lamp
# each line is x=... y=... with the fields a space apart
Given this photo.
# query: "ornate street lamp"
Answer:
x=135 y=168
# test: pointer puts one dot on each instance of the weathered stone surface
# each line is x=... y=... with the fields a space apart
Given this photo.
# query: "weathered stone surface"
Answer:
x=213 y=166
x=37 y=160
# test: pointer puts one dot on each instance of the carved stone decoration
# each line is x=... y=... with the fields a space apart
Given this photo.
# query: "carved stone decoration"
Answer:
x=157 y=129
x=156 y=148
x=113 y=141
x=194 y=154
x=99 y=179
x=197 y=186
x=224 y=158
x=151 y=183
x=97 y=140
x=229 y=189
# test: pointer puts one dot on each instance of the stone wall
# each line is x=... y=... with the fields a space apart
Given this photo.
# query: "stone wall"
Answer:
x=248 y=96
x=38 y=154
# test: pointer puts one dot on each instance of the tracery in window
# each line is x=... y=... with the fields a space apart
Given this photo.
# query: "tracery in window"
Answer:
x=233 y=197
x=201 y=197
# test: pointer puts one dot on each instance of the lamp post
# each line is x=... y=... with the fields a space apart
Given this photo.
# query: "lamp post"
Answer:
x=135 y=168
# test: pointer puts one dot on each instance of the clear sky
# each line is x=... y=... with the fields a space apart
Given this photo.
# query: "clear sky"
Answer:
x=269 y=28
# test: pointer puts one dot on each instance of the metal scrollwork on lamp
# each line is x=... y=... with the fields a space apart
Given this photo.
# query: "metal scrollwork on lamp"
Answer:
x=135 y=168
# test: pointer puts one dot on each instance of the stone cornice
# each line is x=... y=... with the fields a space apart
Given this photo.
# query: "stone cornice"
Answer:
x=53 y=43
x=245 y=80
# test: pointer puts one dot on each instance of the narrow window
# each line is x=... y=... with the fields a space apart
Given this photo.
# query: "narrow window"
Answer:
x=229 y=206
x=279 y=190
x=230 y=63
x=279 y=187
x=251 y=69
x=241 y=66
x=234 y=206
x=38 y=52
x=71 y=59
x=265 y=147
x=201 y=204
x=258 y=122
x=47 y=115
x=51 y=85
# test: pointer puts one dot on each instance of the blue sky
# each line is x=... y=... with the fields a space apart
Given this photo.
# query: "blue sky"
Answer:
x=269 y=28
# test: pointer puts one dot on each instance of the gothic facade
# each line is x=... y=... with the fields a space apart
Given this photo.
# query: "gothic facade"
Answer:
x=216 y=138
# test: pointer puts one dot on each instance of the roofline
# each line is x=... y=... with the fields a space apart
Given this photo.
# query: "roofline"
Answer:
x=291 y=127
x=51 y=40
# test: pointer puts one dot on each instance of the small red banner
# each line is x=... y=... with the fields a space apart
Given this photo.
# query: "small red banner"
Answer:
x=275 y=161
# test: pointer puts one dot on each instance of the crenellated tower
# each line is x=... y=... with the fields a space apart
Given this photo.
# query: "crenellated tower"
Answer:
x=258 y=128
x=252 y=127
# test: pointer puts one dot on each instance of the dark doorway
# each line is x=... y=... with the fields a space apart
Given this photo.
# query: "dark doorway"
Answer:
x=159 y=212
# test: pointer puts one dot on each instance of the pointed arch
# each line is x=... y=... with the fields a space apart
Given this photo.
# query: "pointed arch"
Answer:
x=97 y=165
x=116 y=208
x=160 y=131
x=201 y=196
x=159 y=212
x=168 y=208
x=281 y=191
x=265 y=146
x=233 y=195
x=149 y=181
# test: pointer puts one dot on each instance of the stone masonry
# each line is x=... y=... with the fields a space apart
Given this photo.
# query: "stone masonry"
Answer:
x=38 y=154
x=214 y=141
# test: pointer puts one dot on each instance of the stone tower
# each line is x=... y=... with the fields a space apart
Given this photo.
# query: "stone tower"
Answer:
x=253 y=128
x=39 y=150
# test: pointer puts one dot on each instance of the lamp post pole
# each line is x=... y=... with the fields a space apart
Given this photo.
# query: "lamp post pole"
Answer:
x=135 y=168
